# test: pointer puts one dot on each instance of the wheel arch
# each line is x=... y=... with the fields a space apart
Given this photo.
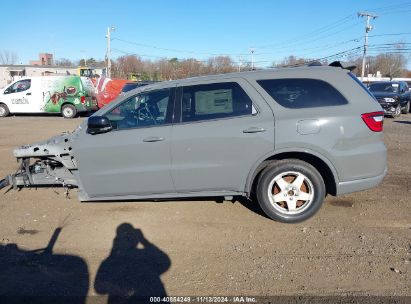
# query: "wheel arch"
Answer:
x=67 y=103
x=318 y=161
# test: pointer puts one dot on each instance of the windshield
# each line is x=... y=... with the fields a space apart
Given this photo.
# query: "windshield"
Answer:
x=384 y=87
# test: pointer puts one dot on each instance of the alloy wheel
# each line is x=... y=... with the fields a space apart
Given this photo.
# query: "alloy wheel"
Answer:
x=291 y=192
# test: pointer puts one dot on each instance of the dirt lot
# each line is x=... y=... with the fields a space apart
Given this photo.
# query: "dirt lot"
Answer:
x=358 y=244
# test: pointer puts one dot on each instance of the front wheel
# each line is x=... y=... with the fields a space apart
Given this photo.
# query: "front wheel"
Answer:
x=397 y=112
x=4 y=110
x=69 y=111
x=406 y=108
x=290 y=190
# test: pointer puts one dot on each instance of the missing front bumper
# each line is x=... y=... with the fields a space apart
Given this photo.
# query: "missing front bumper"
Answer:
x=43 y=173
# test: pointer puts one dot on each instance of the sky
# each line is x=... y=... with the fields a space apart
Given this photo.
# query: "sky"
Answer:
x=200 y=29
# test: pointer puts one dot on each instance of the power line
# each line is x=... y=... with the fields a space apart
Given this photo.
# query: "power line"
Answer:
x=396 y=12
x=137 y=54
x=392 y=6
x=391 y=34
x=294 y=42
x=314 y=33
x=308 y=39
x=342 y=54
x=328 y=46
x=328 y=30
x=176 y=50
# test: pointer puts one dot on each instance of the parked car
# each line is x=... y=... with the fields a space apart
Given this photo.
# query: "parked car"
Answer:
x=67 y=95
x=394 y=96
x=287 y=137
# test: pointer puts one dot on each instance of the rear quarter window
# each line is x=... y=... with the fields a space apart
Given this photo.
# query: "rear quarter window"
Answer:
x=299 y=93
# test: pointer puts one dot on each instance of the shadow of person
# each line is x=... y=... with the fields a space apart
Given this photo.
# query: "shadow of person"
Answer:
x=41 y=276
x=131 y=273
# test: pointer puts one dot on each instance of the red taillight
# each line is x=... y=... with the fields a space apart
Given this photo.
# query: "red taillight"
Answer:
x=83 y=99
x=374 y=120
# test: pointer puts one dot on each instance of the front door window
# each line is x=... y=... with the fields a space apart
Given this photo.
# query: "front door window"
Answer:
x=146 y=109
x=19 y=86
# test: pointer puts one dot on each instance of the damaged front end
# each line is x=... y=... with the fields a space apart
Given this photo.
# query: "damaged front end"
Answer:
x=44 y=164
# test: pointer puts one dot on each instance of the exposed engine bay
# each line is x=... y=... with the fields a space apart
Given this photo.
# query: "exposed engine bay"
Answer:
x=47 y=163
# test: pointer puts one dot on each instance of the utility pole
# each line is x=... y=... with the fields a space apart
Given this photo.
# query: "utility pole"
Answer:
x=108 y=54
x=368 y=28
x=252 y=50
x=240 y=63
x=84 y=57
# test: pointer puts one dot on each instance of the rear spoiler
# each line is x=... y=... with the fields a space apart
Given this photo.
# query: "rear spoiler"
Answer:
x=344 y=65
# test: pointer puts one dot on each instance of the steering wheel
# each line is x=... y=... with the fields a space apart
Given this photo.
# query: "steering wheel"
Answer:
x=143 y=113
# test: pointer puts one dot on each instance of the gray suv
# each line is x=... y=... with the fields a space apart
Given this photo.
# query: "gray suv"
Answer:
x=285 y=138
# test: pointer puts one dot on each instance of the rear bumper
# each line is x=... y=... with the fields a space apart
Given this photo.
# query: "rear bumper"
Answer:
x=360 y=184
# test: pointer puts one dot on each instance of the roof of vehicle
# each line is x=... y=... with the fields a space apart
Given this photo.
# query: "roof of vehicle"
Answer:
x=305 y=71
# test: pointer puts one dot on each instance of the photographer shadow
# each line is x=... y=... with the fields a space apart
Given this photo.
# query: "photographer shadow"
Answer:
x=131 y=273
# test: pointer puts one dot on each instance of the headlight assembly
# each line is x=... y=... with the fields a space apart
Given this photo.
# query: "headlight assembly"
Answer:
x=389 y=99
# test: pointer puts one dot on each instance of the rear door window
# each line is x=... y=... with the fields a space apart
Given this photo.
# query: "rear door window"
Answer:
x=302 y=93
x=213 y=101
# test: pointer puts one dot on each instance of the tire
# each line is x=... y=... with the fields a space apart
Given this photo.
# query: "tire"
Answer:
x=406 y=108
x=4 y=110
x=278 y=196
x=68 y=111
x=397 y=112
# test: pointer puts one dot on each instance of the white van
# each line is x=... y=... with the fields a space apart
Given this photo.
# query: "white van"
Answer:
x=67 y=95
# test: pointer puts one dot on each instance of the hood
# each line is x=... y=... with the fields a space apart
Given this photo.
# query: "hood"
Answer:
x=384 y=94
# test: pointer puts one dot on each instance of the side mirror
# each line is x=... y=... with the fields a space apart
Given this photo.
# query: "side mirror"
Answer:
x=98 y=124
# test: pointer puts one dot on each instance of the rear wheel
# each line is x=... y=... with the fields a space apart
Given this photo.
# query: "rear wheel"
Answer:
x=406 y=109
x=69 y=111
x=4 y=110
x=290 y=190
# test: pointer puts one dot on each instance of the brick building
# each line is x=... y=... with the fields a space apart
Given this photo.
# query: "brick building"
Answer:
x=44 y=59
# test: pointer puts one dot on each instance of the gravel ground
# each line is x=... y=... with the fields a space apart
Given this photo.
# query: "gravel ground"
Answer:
x=358 y=244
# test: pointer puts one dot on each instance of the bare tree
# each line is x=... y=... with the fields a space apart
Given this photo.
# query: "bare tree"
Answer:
x=64 y=62
x=388 y=64
x=221 y=64
x=8 y=57
x=125 y=65
x=290 y=61
x=391 y=65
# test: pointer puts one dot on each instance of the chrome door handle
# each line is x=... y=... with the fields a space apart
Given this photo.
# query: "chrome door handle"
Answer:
x=153 y=139
x=254 y=130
